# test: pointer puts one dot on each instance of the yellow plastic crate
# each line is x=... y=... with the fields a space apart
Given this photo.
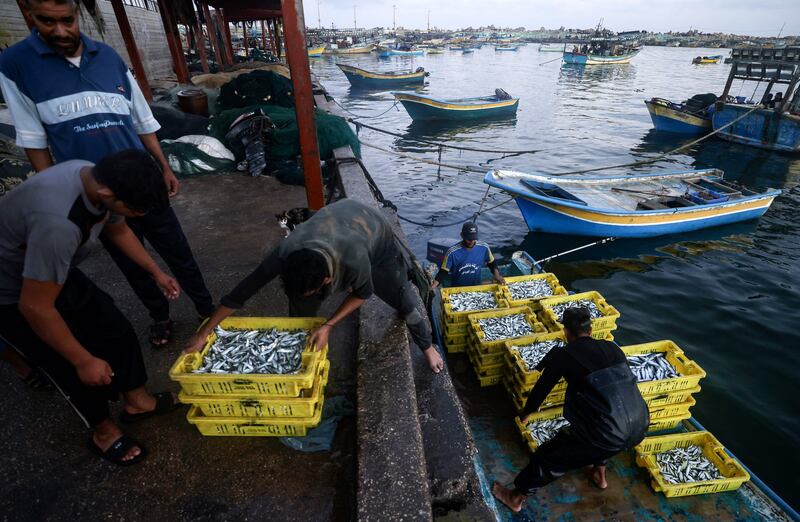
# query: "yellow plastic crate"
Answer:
x=484 y=369
x=254 y=427
x=456 y=328
x=456 y=339
x=488 y=380
x=550 y=413
x=248 y=385
x=675 y=397
x=451 y=317
x=226 y=406
x=667 y=423
x=670 y=410
x=486 y=347
x=689 y=371
x=553 y=399
x=456 y=348
x=534 y=305
x=735 y=475
x=607 y=322
x=485 y=359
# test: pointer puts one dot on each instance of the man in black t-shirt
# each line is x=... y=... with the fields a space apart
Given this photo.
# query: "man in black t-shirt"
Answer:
x=603 y=405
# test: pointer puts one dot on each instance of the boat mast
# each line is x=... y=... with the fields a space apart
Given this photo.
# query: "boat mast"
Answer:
x=355 y=24
x=319 y=16
x=394 y=18
x=429 y=21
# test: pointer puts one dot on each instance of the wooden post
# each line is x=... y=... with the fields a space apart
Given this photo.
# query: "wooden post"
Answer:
x=297 y=56
x=130 y=46
x=244 y=40
x=271 y=37
x=200 y=43
x=212 y=35
x=263 y=37
x=278 y=33
x=223 y=49
x=226 y=33
x=174 y=41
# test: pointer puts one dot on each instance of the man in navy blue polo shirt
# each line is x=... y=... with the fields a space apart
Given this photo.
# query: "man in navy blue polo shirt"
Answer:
x=463 y=261
x=77 y=96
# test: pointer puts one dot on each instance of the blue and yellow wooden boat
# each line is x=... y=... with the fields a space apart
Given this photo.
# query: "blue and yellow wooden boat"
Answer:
x=774 y=122
x=421 y=107
x=682 y=118
x=589 y=58
x=385 y=52
x=360 y=78
x=630 y=206
x=707 y=59
x=316 y=51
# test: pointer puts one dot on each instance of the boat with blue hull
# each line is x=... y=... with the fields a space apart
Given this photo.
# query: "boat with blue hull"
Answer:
x=421 y=107
x=690 y=117
x=363 y=79
x=589 y=58
x=385 y=52
x=774 y=122
x=630 y=206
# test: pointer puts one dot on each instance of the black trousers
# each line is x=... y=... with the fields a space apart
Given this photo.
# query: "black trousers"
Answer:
x=554 y=458
x=392 y=286
x=163 y=231
x=100 y=327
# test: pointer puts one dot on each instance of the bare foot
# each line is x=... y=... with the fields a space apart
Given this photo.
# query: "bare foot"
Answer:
x=434 y=359
x=598 y=475
x=107 y=433
x=507 y=496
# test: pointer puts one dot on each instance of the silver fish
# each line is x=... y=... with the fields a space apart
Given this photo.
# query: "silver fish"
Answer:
x=651 y=367
x=684 y=465
x=505 y=327
x=542 y=431
x=269 y=351
x=533 y=354
x=558 y=309
x=470 y=301
x=532 y=289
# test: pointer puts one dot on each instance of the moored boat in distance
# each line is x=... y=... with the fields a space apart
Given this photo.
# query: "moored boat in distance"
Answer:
x=385 y=52
x=356 y=49
x=630 y=206
x=421 y=107
x=552 y=48
x=601 y=51
x=511 y=48
x=316 y=51
x=690 y=117
x=773 y=123
x=361 y=78
x=707 y=59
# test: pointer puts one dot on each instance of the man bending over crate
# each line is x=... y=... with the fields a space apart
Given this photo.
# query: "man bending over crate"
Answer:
x=53 y=315
x=347 y=247
x=603 y=405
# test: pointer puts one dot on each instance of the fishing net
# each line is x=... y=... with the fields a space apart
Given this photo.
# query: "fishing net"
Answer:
x=332 y=132
x=257 y=87
x=193 y=155
x=176 y=123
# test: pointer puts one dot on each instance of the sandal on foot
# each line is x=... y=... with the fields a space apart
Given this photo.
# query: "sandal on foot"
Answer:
x=165 y=403
x=160 y=333
x=117 y=451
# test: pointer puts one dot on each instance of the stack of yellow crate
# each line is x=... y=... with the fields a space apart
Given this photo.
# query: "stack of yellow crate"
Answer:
x=487 y=357
x=255 y=405
x=668 y=400
x=456 y=324
x=600 y=326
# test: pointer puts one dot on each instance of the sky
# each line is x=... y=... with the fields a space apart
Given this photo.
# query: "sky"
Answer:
x=755 y=18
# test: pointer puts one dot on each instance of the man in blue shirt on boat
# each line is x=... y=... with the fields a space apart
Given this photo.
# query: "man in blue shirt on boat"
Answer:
x=463 y=261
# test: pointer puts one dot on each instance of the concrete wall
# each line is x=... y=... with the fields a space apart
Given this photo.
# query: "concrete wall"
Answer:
x=146 y=25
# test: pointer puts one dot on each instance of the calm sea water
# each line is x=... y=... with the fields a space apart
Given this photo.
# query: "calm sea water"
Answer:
x=729 y=296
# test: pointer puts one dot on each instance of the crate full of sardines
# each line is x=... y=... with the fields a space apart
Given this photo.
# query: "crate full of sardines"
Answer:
x=691 y=463
x=253 y=356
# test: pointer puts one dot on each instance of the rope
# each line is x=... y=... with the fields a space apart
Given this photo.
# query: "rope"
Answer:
x=660 y=156
x=465 y=168
x=440 y=143
x=357 y=116
x=473 y=217
x=551 y=61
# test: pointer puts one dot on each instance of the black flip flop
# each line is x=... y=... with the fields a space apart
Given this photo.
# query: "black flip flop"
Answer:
x=118 y=450
x=161 y=333
x=165 y=403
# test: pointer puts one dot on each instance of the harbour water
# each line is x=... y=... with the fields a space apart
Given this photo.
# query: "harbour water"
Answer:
x=728 y=296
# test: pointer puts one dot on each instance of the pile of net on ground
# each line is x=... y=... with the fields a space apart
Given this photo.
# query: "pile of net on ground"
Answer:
x=193 y=154
x=256 y=88
x=332 y=132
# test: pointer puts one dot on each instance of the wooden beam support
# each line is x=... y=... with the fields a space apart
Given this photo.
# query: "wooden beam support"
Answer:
x=281 y=45
x=263 y=37
x=271 y=37
x=297 y=56
x=212 y=35
x=226 y=33
x=200 y=44
x=244 y=41
x=174 y=41
x=130 y=46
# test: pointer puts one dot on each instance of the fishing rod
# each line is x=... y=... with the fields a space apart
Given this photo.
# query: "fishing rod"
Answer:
x=600 y=242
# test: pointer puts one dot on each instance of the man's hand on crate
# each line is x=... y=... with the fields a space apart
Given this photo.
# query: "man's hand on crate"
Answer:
x=195 y=343
x=319 y=337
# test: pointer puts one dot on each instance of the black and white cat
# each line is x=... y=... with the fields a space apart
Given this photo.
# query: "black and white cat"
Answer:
x=289 y=219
